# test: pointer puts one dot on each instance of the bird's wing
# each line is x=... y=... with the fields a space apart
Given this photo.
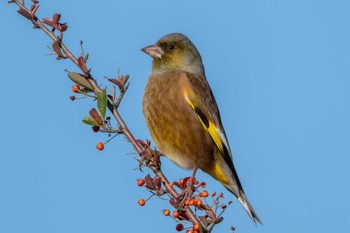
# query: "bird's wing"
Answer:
x=200 y=97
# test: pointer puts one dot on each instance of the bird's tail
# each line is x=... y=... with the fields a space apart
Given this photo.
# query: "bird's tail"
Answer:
x=248 y=207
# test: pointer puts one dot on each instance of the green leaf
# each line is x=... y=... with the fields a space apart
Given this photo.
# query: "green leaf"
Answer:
x=90 y=121
x=80 y=80
x=102 y=102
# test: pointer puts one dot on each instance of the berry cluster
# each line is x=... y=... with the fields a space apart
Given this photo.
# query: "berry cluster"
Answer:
x=191 y=196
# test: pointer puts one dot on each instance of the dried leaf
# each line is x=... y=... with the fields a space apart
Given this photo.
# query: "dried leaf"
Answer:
x=82 y=65
x=34 y=9
x=80 y=80
x=56 y=18
x=149 y=183
x=62 y=27
x=25 y=14
x=124 y=80
x=57 y=48
x=94 y=114
x=49 y=22
x=116 y=82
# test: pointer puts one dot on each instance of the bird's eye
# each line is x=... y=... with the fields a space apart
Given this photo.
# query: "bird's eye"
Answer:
x=171 y=47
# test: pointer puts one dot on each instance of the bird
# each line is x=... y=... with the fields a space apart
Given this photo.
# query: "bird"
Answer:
x=182 y=115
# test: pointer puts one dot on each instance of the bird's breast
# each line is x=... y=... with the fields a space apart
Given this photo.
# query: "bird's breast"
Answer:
x=173 y=124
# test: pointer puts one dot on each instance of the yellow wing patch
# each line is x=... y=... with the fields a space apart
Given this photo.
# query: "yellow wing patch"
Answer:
x=214 y=133
x=207 y=124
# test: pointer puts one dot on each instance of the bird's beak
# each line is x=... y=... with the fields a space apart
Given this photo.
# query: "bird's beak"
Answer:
x=154 y=51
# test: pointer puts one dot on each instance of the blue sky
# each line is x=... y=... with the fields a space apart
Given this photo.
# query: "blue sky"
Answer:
x=280 y=74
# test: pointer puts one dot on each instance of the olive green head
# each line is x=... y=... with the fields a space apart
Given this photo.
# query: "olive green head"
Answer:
x=175 y=52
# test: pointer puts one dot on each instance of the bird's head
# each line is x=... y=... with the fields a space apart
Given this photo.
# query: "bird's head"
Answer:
x=175 y=52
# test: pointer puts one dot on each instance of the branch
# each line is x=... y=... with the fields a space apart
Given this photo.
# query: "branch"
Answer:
x=149 y=157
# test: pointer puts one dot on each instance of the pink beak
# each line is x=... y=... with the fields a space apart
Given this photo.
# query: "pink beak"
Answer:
x=154 y=51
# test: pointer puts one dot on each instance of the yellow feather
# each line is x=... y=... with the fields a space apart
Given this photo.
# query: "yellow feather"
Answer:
x=212 y=130
x=214 y=134
x=219 y=175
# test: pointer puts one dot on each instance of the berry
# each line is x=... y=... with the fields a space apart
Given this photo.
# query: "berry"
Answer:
x=100 y=146
x=166 y=212
x=198 y=202
x=95 y=128
x=204 y=194
x=179 y=227
x=196 y=227
x=76 y=88
x=191 y=202
x=176 y=214
x=141 y=202
x=193 y=180
x=140 y=182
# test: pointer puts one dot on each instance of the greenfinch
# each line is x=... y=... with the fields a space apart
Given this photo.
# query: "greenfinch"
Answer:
x=183 y=117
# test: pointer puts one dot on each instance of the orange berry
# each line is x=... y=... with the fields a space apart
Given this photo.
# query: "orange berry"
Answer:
x=76 y=88
x=191 y=202
x=189 y=231
x=140 y=182
x=142 y=202
x=179 y=227
x=213 y=195
x=221 y=195
x=196 y=227
x=166 y=212
x=176 y=214
x=182 y=182
x=100 y=146
x=187 y=202
x=204 y=194
x=198 y=202
x=203 y=184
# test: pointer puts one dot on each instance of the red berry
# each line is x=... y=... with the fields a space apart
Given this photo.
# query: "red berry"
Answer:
x=142 y=202
x=100 y=146
x=179 y=227
x=76 y=88
x=95 y=128
x=140 y=182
